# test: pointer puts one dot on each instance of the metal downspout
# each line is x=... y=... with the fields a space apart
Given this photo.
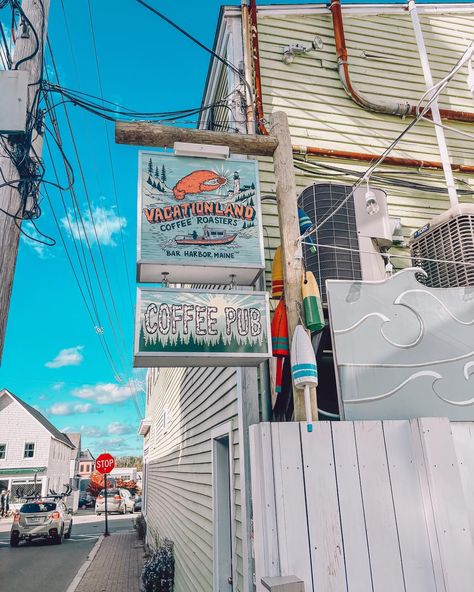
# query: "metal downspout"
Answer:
x=442 y=146
x=402 y=109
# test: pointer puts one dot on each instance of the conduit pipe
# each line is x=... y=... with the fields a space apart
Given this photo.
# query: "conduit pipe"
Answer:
x=256 y=69
x=327 y=152
x=403 y=108
x=435 y=114
x=247 y=50
x=389 y=160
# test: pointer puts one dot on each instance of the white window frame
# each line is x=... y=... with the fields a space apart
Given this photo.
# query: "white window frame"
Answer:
x=5 y=451
x=24 y=450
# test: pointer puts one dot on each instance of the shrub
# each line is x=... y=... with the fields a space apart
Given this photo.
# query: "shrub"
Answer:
x=158 y=572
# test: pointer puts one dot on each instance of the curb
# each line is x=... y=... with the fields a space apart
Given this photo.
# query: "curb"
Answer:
x=85 y=566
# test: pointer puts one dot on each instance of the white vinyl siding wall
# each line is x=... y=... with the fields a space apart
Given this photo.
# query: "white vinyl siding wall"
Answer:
x=322 y=115
x=179 y=479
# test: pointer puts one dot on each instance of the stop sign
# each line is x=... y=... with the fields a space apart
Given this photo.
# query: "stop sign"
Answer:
x=104 y=463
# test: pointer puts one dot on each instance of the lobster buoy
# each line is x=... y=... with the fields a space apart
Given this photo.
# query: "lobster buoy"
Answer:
x=280 y=340
x=306 y=224
x=303 y=368
x=277 y=274
x=313 y=310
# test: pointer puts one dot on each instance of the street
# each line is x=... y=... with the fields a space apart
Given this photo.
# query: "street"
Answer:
x=43 y=566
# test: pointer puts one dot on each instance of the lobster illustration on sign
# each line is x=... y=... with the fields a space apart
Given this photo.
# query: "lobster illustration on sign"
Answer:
x=198 y=182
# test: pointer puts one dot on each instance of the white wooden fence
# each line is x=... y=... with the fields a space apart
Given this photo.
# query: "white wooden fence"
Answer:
x=382 y=506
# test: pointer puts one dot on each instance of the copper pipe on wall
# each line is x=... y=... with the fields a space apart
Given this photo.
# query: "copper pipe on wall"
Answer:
x=401 y=109
x=326 y=152
x=256 y=69
x=389 y=160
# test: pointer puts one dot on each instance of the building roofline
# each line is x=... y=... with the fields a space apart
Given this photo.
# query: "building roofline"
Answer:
x=40 y=418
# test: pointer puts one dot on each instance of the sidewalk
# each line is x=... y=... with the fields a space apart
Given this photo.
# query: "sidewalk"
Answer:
x=116 y=567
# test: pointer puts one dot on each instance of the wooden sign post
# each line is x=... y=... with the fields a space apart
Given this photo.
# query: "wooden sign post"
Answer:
x=278 y=145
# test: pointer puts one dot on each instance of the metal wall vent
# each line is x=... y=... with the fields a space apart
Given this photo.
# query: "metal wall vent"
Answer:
x=448 y=237
x=318 y=201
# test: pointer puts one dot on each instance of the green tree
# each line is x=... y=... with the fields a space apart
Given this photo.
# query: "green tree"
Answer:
x=163 y=173
x=150 y=167
x=157 y=173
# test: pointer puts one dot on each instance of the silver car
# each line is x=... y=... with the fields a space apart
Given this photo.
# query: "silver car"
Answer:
x=118 y=500
x=41 y=519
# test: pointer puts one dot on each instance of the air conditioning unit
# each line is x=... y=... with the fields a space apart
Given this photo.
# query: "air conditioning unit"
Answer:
x=349 y=242
x=444 y=245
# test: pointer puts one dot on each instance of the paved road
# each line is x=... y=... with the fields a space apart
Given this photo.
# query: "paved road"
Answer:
x=41 y=566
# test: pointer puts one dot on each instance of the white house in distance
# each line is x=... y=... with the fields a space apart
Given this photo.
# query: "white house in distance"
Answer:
x=34 y=455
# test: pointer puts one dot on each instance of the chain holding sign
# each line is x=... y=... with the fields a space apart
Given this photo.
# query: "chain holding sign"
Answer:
x=182 y=327
x=198 y=218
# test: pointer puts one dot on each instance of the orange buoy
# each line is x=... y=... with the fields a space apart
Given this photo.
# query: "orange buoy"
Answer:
x=277 y=274
x=280 y=340
x=313 y=310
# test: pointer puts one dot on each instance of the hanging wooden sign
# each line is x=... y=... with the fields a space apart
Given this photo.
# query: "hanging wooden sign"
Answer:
x=180 y=327
x=199 y=220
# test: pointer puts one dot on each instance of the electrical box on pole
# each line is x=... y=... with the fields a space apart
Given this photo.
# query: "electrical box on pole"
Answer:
x=14 y=93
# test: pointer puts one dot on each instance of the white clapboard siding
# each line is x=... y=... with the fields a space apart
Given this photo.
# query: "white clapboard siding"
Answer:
x=365 y=506
x=179 y=484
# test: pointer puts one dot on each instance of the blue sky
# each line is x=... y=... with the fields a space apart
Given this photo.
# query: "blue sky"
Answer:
x=53 y=358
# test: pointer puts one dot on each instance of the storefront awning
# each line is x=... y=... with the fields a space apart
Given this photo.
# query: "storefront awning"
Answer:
x=22 y=471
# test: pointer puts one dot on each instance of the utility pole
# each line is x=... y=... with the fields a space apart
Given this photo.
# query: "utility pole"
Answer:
x=278 y=145
x=10 y=199
x=291 y=248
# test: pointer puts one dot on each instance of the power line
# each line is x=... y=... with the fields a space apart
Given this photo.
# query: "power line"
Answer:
x=111 y=161
x=103 y=343
x=91 y=215
x=78 y=214
x=224 y=61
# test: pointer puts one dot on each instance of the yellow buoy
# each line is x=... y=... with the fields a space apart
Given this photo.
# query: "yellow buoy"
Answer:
x=313 y=310
x=277 y=274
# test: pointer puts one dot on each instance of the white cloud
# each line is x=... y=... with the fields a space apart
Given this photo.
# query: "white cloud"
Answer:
x=107 y=225
x=116 y=428
x=113 y=443
x=105 y=393
x=57 y=386
x=91 y=431
x=67 y=357
x=71 y=409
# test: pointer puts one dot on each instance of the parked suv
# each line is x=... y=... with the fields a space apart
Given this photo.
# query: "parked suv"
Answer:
x=118 y=500
x=41 y=519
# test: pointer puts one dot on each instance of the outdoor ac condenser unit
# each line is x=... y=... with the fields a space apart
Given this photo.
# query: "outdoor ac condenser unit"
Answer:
x=349 y=242
x=444 y=245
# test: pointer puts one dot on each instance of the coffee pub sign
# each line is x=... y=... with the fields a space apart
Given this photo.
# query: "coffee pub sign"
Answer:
x=199 y=220
x=187 y=327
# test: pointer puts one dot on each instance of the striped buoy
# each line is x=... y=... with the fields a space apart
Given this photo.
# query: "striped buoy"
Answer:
x=303 y=368
x=306 y=224
x=313 y=310
x=277 y=274
x=280 y=341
